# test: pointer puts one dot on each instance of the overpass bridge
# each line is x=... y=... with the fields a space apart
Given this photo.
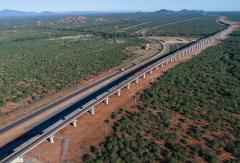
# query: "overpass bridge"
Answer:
x=14 y=151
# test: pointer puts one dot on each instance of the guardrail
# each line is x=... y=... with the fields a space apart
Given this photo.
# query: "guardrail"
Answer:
x=70 y=118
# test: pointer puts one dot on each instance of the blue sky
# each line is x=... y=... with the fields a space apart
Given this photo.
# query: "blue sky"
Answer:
x=108 y=5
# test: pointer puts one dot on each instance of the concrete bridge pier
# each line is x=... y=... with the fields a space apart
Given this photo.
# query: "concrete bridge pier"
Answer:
x=151 y=71
x=156 y=68
x=92 y=111
x=51 y=139
x=18 y=160
x=175 y=58
x=180 y=55
x=119 y=92
x=137 y=80
x=107 y=100
x=74 y=123
x=129 y=86
x=162 y=65
x=144 y=76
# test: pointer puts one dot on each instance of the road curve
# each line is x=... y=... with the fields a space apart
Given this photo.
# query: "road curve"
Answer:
x=41 y=132
x=22 y=125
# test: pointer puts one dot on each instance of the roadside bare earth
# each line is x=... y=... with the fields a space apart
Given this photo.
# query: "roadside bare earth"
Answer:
x=172 y=39
x=25 y=126
x=91 y=130
x=25 y=108
x=73 y=143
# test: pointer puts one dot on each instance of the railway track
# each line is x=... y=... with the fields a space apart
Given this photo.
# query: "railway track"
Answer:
x=46 y=130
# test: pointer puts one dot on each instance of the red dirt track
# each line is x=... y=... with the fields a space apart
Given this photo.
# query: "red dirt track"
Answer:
x=72 y=143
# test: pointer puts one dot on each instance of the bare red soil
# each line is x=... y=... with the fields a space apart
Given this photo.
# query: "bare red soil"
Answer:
x=72 y=143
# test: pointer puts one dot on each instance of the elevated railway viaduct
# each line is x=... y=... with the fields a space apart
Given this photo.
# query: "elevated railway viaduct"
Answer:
x=13 y=151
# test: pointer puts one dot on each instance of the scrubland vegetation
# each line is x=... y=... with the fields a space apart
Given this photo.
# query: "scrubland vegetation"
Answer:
x=41 y=65
x=191 y=114
x=195 y=28
x=42 y=55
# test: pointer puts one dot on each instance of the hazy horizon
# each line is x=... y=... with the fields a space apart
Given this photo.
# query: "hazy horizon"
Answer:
x=113 y=5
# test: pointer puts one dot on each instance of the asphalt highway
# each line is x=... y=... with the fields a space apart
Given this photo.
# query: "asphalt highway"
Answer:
x=9 y=148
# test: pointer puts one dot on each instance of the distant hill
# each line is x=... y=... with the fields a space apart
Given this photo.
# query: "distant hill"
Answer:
x=16 y=13
x=191 y=11
x=164 y=11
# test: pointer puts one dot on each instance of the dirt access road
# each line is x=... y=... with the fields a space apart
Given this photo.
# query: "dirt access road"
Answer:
x=30 y=121
x=72 y=143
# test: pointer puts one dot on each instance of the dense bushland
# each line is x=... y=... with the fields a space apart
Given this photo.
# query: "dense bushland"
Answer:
x=190 y=114
x=195 y=28
x=38 y=66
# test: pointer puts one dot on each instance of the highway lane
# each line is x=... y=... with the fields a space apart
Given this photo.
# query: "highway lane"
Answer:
x=109 y=77
x=9 y=148
x=26 y=118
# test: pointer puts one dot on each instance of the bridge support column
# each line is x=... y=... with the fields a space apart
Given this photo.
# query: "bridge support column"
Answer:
x=107 y=101
x=18 y=160
x=119 y=92
x=129 y=86
x=162 y=65
x=156 y=68
x=171 y=60
x=144 y=75
x=92 y=111
x=137 y=80
x=151 y=71
x=51 y=139
x=74 y=123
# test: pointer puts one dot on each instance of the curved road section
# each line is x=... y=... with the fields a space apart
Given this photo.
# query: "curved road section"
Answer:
x=49 y=127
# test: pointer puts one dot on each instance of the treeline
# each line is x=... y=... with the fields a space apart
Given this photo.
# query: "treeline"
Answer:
x=195 y=28
x=34 y=68
x=190 y=114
